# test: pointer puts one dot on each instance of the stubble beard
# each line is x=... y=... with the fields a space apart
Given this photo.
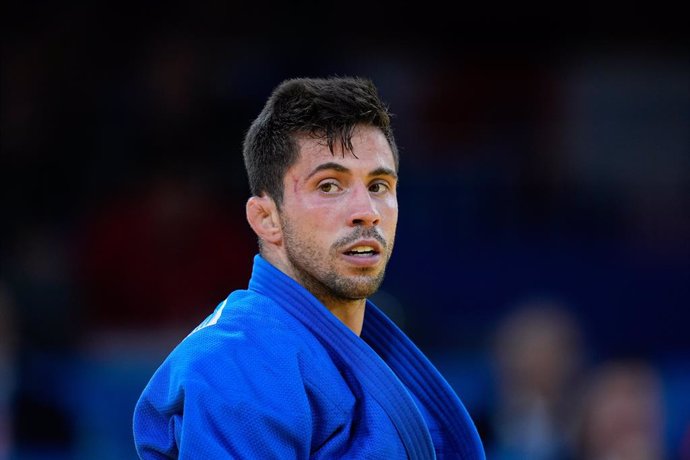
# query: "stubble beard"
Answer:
x=318 y=274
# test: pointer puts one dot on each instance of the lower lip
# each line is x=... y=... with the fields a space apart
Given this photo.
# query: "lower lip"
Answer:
x=361 y=261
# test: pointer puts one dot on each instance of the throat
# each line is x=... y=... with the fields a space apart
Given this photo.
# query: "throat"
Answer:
x=350 y=313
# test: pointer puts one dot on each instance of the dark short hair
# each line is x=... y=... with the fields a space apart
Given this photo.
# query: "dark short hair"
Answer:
x=326 y=108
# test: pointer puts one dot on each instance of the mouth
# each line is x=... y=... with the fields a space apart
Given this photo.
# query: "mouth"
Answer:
x=363 y=249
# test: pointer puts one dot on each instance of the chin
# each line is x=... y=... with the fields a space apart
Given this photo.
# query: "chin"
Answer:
x=357 y=289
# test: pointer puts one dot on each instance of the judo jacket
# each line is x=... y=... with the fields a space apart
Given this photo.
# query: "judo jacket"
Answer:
x=273 y=374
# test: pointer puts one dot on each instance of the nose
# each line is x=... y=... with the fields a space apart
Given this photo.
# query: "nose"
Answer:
x=363 y=210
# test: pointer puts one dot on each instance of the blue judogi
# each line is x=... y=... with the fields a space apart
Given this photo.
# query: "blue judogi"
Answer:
x=273 y=374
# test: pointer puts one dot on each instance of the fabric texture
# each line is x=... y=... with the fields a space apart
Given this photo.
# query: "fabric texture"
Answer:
x=272 y=374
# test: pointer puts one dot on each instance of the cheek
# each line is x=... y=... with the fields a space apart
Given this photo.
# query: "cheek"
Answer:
x=390 y=213
x=317 y=215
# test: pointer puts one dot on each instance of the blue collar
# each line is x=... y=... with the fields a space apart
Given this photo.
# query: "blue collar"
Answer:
x=374 y=374
x=384 y=360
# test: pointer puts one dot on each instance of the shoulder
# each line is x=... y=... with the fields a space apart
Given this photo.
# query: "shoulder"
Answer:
x=250 y=364
x=248 y=335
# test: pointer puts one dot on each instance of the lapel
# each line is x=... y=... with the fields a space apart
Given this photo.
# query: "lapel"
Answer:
x=421 y=377
x=376 y=377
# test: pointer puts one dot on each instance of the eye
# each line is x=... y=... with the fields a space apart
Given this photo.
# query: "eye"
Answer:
x=378 y=187
x=329 y=187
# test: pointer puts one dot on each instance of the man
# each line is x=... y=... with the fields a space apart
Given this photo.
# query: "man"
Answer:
x=301 y=365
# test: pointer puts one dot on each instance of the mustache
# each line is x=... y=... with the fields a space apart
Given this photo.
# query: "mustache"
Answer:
x=360 y=234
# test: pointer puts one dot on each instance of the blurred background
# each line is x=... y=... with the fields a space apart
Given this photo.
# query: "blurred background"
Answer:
x=542 y=258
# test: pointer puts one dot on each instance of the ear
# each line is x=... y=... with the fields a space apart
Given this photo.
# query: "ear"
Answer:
x=263 y=218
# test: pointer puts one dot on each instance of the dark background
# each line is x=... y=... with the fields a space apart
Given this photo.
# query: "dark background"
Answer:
x=545 y=156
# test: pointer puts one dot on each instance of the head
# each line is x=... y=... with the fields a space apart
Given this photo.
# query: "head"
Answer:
x=538 y=350
x=322 y=166
x=327 y=109
x=621 y=413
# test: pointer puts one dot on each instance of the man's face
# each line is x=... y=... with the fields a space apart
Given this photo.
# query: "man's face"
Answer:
x=339 y=215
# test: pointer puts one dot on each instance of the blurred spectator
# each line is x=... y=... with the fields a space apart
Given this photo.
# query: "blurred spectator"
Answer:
x=161 y=255
x=40 y=286
x=685 y=444
x=622 y=414
x=152 y=262
x=8 y=338
x=539 y=357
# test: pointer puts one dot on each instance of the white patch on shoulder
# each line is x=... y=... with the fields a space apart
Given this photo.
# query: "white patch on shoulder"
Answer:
x=212 y=319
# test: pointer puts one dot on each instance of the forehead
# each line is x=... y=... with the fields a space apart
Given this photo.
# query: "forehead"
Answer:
x=370 y=149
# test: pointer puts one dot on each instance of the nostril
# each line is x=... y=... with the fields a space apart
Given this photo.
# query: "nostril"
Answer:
x=365 y=222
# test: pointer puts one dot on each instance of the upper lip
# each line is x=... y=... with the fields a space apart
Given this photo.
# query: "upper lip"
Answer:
x=375 y=245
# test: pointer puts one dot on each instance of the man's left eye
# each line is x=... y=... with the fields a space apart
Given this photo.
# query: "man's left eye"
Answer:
x=378 y=187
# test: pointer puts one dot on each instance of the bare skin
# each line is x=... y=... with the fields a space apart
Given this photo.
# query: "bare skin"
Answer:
x=335 y=229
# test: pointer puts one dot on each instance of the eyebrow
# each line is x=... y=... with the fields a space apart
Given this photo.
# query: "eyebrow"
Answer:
x=382 y=171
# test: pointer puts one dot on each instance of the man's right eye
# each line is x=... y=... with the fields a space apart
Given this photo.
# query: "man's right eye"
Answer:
x=329 y=187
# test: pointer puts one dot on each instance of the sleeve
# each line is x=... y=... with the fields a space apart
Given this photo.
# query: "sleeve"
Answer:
x=243 y=406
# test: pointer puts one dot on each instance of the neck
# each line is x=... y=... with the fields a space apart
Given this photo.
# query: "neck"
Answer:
x=351 y=313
